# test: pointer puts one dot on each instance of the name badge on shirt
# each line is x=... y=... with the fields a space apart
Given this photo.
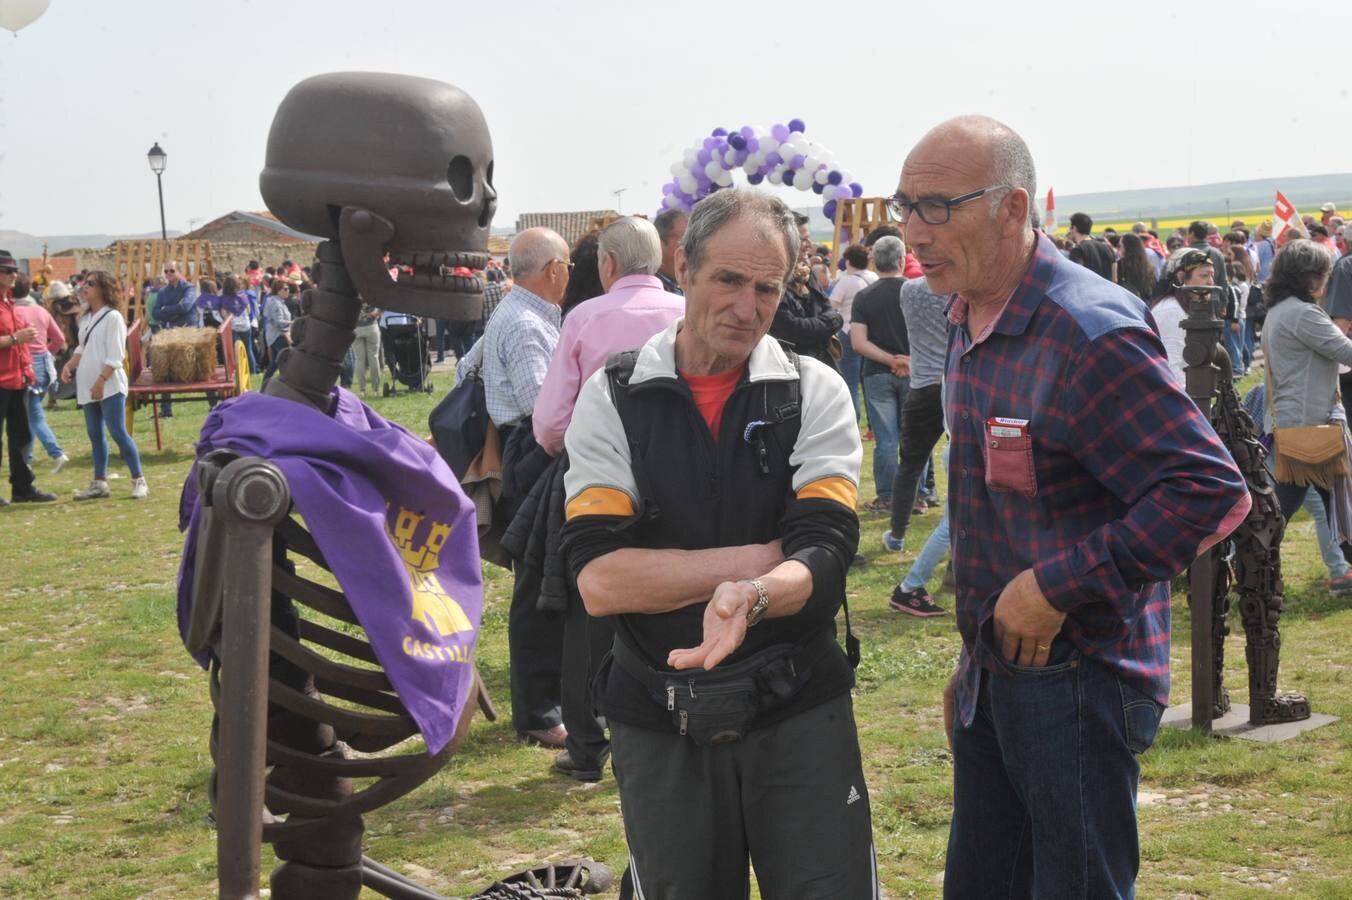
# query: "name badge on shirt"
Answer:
x=1002 y=427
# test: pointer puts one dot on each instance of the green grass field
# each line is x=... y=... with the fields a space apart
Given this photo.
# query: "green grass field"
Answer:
x=104 y=721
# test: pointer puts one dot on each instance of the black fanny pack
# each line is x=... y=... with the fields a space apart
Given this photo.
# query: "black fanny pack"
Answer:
x=716 y=707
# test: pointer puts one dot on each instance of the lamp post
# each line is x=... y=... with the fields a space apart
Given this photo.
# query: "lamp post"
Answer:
x=157 y=159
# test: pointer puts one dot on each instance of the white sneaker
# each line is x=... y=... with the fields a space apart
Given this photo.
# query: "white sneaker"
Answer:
x=97 y=490
x=139 y=489
x=59 y=463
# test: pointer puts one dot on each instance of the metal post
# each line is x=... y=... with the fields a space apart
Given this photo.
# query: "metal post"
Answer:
x=252 y=497
x=159 y=183
x=1202 y=328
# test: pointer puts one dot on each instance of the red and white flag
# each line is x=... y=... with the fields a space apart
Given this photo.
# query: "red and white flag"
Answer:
x=1287 y=217
x=1049 y=220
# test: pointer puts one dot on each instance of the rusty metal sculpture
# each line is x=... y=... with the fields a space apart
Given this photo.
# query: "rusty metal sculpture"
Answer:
x=1249 y=559
x=377 y=164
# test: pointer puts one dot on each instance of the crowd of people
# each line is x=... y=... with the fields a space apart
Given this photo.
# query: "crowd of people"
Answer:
x=695 y=388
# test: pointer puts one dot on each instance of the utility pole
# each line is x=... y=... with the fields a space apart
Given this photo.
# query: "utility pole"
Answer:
x=617 y=192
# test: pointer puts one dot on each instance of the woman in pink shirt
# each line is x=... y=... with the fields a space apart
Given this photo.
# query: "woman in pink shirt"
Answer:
x=47 y=339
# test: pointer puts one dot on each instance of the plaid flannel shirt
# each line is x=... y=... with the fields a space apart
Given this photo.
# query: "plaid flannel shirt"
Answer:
x=518 y=343
x=1117 y=485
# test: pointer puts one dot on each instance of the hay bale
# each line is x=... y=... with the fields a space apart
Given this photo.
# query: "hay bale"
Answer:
x=183 y=355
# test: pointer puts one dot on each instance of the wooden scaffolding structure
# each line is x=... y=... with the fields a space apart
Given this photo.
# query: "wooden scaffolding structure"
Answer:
x=138 y=260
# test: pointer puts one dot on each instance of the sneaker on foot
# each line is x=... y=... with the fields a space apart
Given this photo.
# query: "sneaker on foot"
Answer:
x=891 y=543
x=139 y=490
x=59 y=463
x=32 y=495
x=97 y=489
x=879 y=504
x=915 y=603
x=1341 y=584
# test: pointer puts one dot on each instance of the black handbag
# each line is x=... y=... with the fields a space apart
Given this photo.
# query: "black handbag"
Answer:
x=460 y=423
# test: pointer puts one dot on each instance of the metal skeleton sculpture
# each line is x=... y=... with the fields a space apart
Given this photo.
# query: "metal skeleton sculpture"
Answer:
x=1249 y=559
x=377 y=164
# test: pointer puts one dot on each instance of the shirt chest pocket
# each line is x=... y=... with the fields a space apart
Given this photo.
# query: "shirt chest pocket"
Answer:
x=1009 y=465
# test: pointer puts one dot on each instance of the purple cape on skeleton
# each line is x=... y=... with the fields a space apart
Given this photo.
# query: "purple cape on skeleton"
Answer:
x=392 y=522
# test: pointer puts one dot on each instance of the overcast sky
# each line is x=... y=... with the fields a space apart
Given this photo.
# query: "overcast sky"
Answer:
x=589 y=96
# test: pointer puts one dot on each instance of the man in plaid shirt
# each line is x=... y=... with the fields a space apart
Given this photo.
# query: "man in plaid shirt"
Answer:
x=1082 y=480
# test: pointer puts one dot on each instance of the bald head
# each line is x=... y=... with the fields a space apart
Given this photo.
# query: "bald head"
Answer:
x=985 y=147
x=533 y=248
x=539 y=259
x=980 y=246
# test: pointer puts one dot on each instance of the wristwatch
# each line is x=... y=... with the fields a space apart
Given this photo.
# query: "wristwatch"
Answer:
x=761 y=606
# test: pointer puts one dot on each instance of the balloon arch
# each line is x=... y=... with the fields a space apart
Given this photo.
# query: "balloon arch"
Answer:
x=781 y=155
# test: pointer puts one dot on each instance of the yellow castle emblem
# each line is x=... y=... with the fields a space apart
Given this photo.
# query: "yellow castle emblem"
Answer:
x=432 y=606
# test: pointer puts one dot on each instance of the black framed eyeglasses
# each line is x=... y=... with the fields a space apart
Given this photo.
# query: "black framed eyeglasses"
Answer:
x=934 y=210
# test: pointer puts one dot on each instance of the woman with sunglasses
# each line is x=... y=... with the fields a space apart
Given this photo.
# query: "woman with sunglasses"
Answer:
x=101 y=383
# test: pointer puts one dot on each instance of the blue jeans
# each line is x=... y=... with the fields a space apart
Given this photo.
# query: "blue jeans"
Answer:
x=1250 y=340
x=37 y=419
x=936 y=548
x=1044 y=782
x=277 y=347
x=884 y=394
x=1234 y=345
x=110 y=413
x=1328 y=549
x=245 y=337
x=850 y=365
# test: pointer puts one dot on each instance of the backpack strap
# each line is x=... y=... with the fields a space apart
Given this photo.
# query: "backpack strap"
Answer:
x=619 y=369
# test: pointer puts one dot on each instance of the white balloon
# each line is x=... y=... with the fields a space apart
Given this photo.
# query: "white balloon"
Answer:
x=753 y=163
x=730 y=158
x=678 y=169
x=822 y=176
x=712 y=168
x=18 y=14
x=724 y=179
x=768 y=145
x=776 y=176
x=688 y=183
x=811 y=162
x=802 y=182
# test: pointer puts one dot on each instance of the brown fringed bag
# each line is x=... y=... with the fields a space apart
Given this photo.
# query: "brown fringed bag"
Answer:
x=1309 y=454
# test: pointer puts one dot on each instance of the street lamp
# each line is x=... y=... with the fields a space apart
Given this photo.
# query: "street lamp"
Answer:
x=157 y=159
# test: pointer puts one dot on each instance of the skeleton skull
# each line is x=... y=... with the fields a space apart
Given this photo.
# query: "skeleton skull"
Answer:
x=388 y=164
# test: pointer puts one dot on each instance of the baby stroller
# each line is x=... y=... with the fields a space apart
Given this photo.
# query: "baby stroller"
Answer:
x=405 y=349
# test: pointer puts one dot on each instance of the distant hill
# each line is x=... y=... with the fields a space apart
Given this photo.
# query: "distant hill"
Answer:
x=22 y=244
x=1307 y=192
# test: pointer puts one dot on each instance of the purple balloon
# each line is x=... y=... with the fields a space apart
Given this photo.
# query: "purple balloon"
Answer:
x=829 y=209
x=710 y=143
x=736 y=141
x=703 y=157
x=788 y=176
x=667 y=189
x=796 y=161
x=834 y=178
x=719 y=132
x=817 y=188
x=856 y=189
x=797 y=125
x=773 y=158
x=741 y=157
x=753 y=143
x=779 y=132
x=748 y=132
x=755 y=178
x=843 y=192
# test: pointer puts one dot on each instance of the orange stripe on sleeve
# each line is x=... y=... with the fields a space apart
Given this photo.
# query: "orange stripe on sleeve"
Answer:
x=600 y=501
x=837 y=488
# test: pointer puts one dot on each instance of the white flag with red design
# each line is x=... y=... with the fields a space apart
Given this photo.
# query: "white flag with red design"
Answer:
x=1287 y=217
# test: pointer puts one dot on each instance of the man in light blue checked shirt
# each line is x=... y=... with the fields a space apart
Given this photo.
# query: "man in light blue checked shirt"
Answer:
x=517 y=346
